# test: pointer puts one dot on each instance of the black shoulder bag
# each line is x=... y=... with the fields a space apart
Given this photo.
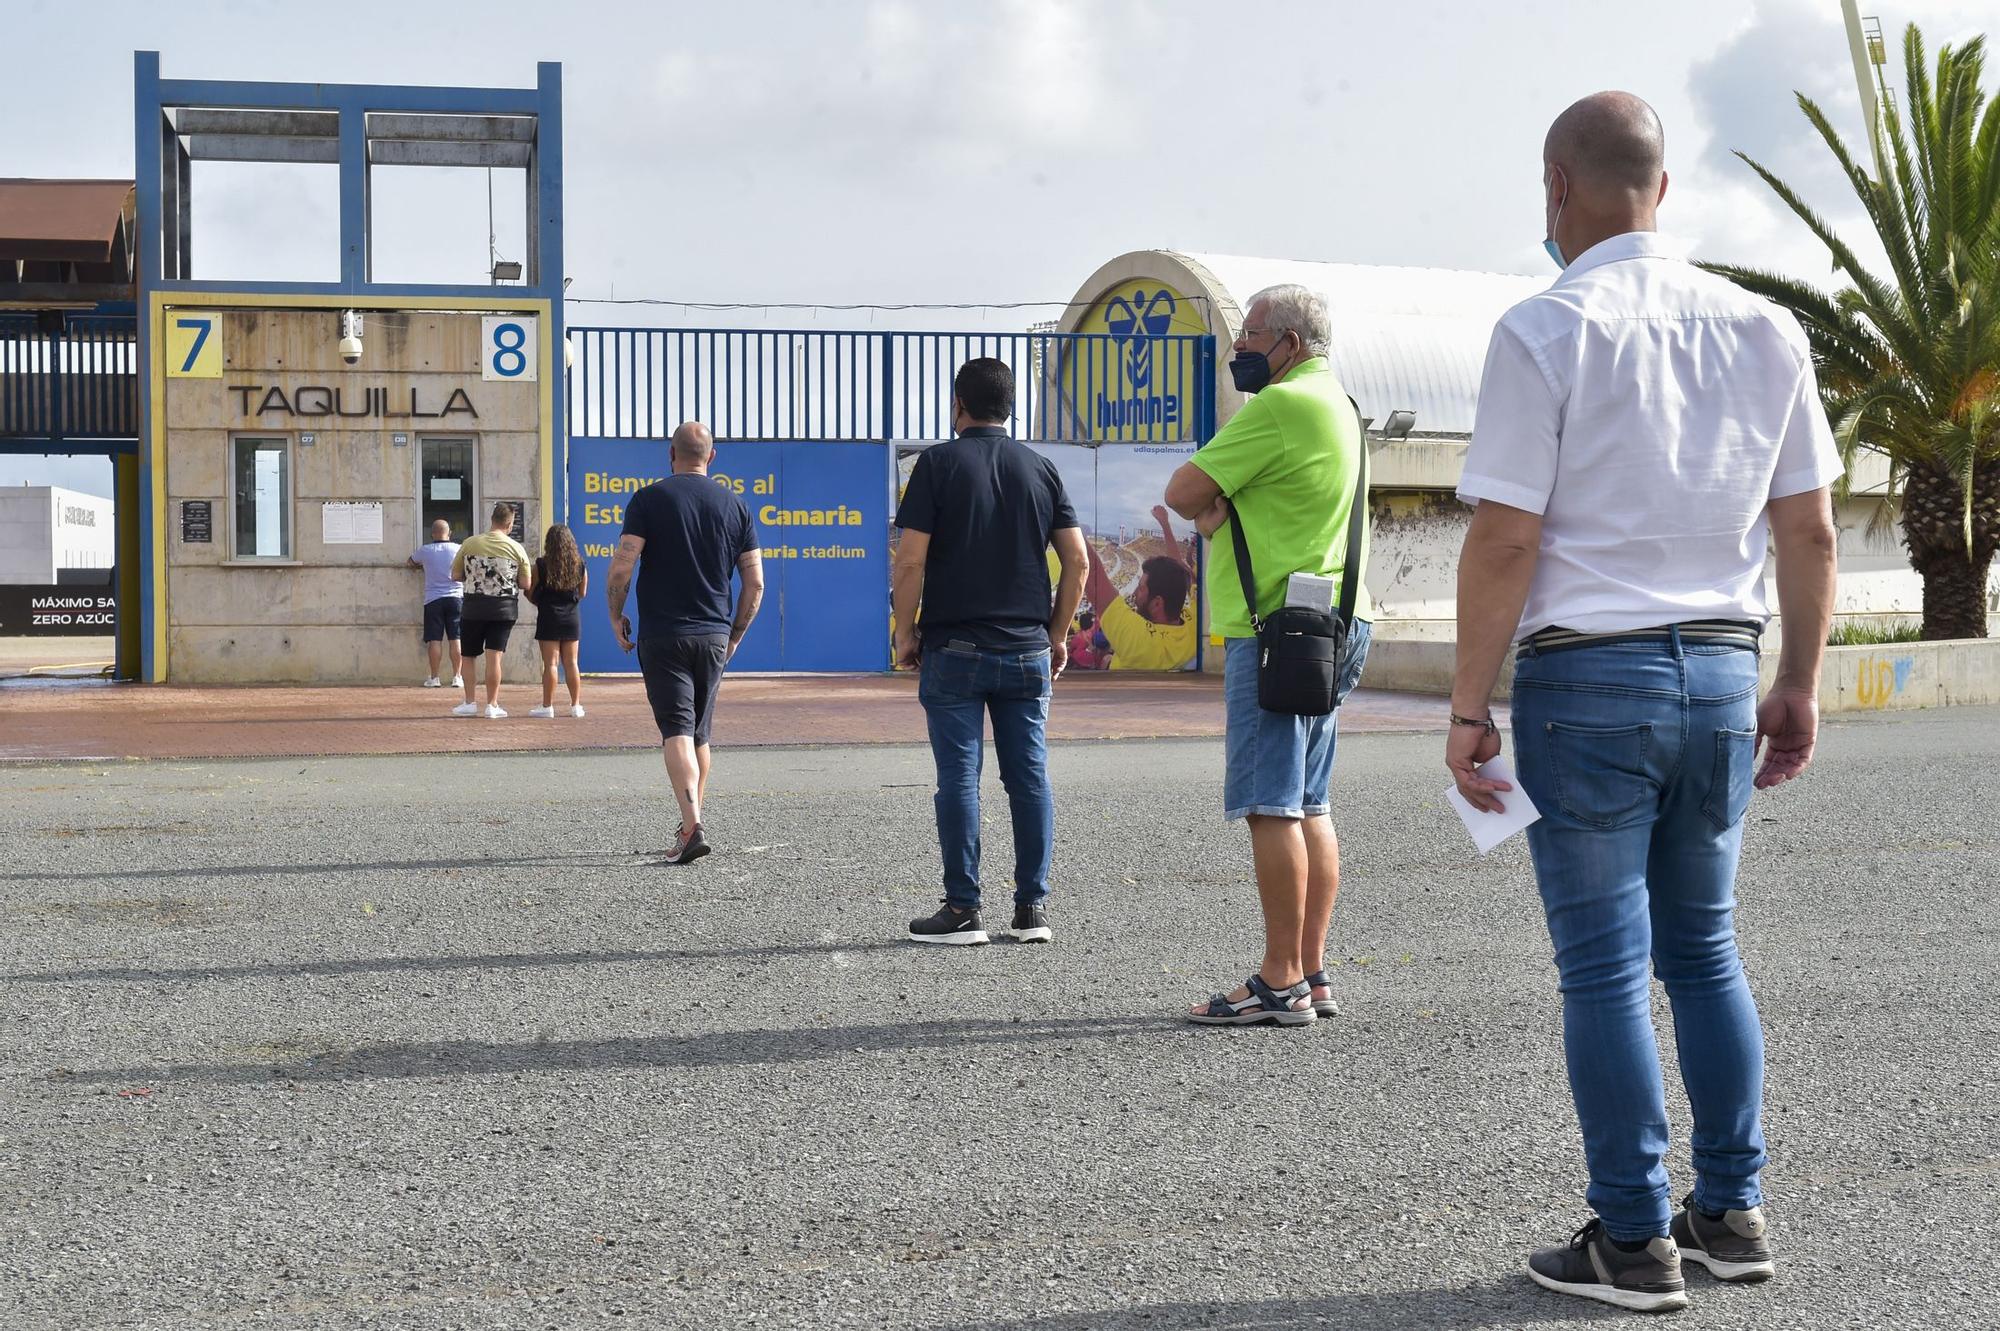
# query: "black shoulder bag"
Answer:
x=1299 y=648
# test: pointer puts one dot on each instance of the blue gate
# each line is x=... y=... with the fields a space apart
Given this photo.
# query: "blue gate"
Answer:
x=809 y=426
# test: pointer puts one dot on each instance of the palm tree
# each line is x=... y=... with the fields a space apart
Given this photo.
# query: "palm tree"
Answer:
x=1909 y=366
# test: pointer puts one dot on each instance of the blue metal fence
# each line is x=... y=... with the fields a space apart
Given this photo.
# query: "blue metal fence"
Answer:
x=796 y=385
x=71 y=379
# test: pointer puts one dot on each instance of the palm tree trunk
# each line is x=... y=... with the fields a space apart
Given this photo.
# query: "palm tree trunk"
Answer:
x=1934 y=533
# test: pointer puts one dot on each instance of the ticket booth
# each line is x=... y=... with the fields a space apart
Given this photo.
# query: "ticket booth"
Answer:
x=299 y=438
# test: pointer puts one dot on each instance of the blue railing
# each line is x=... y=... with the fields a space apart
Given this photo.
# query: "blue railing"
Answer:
x=69 y=379
x=797 y=385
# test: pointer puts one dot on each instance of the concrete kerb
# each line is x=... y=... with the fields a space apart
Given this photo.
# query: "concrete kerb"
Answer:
x=1888 y=677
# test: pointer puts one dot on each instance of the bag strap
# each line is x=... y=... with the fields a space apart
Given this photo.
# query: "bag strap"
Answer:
x=1357 y=516
x=1243 y=568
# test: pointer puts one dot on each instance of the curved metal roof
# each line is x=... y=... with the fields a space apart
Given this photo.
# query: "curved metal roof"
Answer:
x=1408 y=339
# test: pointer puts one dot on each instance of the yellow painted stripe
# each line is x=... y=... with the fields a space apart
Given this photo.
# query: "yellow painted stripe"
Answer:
x=156 y=446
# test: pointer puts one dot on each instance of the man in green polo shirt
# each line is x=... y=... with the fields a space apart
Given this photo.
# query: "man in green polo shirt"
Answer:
x=1284 y=467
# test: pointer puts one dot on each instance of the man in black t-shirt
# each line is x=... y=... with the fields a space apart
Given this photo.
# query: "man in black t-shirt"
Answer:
x=694 y=534
x=977 y=519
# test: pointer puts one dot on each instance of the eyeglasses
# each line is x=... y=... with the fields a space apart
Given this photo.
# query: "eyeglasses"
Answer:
x=1259 y=332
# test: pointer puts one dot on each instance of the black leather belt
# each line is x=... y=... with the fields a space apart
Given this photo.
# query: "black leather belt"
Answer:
x=1732 y=632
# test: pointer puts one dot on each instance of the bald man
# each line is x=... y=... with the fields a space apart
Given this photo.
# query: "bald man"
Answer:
x=443 y=600
x=1645 y=432
x=686 y=535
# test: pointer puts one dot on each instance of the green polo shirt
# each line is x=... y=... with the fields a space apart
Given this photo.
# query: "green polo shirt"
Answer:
x=1287 y=461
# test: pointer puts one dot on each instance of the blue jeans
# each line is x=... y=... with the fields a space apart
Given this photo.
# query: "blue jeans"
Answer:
x=958 y=685
x=1639 y=757
x=1277 y=765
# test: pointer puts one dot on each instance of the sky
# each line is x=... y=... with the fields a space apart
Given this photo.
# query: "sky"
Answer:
x=975 y=152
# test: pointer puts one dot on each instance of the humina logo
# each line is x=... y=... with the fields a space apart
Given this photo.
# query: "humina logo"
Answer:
x=1134 y=322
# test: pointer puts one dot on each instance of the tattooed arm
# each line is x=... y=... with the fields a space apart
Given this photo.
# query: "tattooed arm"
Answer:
x=620 y=582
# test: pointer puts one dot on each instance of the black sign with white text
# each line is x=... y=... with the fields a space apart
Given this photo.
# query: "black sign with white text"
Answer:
x=56 y=612
x=197 y=522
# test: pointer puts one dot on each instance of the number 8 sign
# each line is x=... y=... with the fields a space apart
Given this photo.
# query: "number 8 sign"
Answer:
x=508 y=344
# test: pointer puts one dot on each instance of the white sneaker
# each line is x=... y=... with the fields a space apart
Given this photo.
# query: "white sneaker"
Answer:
x=458 y=681
x=576 y=710
x=434 y=683
x=494 y=711
x=541 y=711
x=466 y=709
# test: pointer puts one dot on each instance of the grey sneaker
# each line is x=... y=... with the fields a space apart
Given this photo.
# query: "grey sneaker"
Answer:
x=1736 y=1248
x=1591 y=1266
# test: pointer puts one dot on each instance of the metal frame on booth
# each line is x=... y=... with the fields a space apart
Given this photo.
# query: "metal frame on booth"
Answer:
x=163 y=252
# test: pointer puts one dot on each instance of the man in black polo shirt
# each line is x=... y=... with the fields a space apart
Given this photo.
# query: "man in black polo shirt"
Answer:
x=694 y=534
x=978 y=517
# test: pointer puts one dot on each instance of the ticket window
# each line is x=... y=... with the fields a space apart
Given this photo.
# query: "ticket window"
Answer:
x=260 y=526
x=446 y=472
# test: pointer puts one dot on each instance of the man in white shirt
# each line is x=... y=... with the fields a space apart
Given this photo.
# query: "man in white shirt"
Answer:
x=1644 y=431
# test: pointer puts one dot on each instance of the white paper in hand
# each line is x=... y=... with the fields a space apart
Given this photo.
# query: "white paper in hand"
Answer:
x=1490 y=829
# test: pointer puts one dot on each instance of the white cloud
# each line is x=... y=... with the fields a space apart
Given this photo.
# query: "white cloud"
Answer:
x=1744 y=97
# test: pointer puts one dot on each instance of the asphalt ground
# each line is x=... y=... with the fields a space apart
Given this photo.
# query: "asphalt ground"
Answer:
x=437 y=1043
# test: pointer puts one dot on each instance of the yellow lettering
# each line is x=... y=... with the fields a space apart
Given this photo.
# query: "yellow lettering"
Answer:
x=593 y=482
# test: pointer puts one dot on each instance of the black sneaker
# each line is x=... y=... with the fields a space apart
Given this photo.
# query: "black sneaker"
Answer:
x=951 y=926
x=1735 y=1248
x=1591 y=1266
x=689 y=846
x=1031 y=925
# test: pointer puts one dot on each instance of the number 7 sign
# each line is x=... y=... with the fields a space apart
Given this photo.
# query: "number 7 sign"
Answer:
x=194 y=345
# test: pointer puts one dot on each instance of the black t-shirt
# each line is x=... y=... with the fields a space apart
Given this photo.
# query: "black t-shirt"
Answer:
x=990 y=506
x=694 y=531
x=551 y=601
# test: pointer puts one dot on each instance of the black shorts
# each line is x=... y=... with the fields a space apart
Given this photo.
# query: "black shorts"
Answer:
x=441 y=618
x=682 y=676
x=558 y=626
x=477 y=636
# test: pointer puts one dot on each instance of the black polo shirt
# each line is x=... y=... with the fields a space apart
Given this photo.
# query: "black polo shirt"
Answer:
x=990 y=506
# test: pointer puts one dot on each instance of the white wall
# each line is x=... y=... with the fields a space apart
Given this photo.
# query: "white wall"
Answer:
x=27 y=541
x=84 y=533
x=45 y=529
x=1413 y=566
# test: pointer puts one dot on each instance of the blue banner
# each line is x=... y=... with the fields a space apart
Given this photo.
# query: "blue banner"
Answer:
x=822 y=516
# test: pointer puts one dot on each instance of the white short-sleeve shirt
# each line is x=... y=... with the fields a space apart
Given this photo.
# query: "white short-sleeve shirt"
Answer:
x=1649 y=412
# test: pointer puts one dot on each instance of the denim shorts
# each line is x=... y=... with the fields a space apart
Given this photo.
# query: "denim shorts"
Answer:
x=1279 y=765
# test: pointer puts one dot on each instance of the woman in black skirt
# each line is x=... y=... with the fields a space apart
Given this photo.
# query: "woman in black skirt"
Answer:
x=561 y=581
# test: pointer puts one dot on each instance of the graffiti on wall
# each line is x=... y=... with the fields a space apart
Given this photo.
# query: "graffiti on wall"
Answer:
x=1880 y=680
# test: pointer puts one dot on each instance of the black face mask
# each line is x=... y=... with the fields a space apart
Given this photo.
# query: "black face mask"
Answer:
x=1251 y=370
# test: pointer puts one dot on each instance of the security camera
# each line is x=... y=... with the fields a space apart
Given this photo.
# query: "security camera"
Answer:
x=350 y=337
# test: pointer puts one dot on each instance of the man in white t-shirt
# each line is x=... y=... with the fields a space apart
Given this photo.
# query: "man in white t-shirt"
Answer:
x=442 y=600
x=1645 y=431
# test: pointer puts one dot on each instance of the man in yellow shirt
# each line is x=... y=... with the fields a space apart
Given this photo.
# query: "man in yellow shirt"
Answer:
x=1153 y=629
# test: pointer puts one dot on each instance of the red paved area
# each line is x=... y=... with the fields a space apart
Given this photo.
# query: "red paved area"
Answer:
x=87 y=720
